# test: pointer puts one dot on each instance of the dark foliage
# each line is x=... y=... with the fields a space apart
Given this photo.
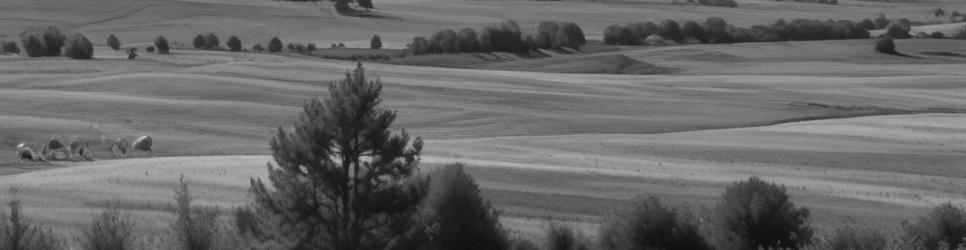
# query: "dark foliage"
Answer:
x=694 y=30
x=717 y=30
x=546 y=35
x=444 y=41
x=258 y=47
x=234 y=44
x=212 y=42
x=41 y=43
x=468 y=40
x=275 y=45
x=375 y=42
x=944 y=225
x=881 y=22
x=937 y=35
x=162 y=44
x=419 y=45
x=195 y=227
x=562 y=237
x=849 y=238
x=670 y=30
x=79 y=47
x=755 y=214
x=9 y=47
x=16 y=233
x=199 y=42
x=896 y=30
x=618 y=35
x=570 y=35
x=109 y=230
x=113 y=42
x=342 y=179
x=720 y=3
x=150 y=49
x=649 y=224
x=464 y=219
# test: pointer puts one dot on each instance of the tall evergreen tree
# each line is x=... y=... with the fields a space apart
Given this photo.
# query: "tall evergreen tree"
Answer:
x=342 y=180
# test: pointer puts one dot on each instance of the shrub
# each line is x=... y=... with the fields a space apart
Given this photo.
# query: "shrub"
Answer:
x=234 y=44
x=150 y=49
x=640 y=31
x=465 y=220
x=419 y=46
x=692 y=29
x=755 y=214
x=275 y=45
x=618 y=35
x=670 y=30
x=194 y=227
x=715 y=29
x=445 y=41
x=113 y=42
x=212 y=42
x=649 y=224
x=258 y=47
x=199 y=42
x=937 y=35
x=468 y=40
x=311 y=47
x=9 y=47
x=341 y=45
x=47 y=42
x=562 y=237
x=849 y=238
x=375 y=42
x=570 y=35
x=867 y=24
x=944 y=225
x=162 y=44
x=16 y=232
x=897 y=31
x=881 y=22
x=546 y=35
x=79 y=47
x=109 y=230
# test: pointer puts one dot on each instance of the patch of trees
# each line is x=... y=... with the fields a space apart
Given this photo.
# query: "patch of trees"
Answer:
x=717 y=30
x=503 y=37
x=9 y=47
x=832 y=2
x=718 y=3
x=43 y=42
x=208 y=42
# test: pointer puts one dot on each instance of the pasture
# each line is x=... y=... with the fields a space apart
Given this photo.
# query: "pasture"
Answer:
x=857 y=136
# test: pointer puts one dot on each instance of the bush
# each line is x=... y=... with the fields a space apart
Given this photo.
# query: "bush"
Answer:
x=275 y=45
x=570 y=35
x=937 y=35
x=562 y=237
x=944 y=225
x=445 y=41
x=79 y=47
x=897 y=31
x=113 y=42
x=234 y=44
x=886 y=45
x=468 y=40
x=692 y=29
x=375 y=42
x=755 y=214
x=258 y=47
x=341 y=45
x=618 y=35
x=465 y=220
x=150 y=49
x=212 y=42
x=9 y=47
x=39 y=43
x=162 y=44
x=849 y=238
x=720 y=3
x=881 y=22
x=109 y=231
x=311 y=47
x=670 y=30
x=16 y=232
x=194 y=227
x=419 y=45
x=546 y=35
x=199 y=42
x=715 y=29
x=867 y=24
x=649 y=224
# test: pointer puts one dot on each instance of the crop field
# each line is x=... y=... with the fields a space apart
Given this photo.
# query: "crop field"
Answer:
x=856 y=136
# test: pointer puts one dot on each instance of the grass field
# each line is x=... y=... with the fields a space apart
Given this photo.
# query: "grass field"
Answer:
x=855 y=135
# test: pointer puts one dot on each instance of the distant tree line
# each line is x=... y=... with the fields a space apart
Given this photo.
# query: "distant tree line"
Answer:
x=717 y=30
x=502 y=37
x=832 y=2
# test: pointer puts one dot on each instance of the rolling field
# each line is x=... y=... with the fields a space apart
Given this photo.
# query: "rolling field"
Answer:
x=857 y=136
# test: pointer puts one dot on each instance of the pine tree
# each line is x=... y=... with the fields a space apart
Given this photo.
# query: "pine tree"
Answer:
x=342 y=179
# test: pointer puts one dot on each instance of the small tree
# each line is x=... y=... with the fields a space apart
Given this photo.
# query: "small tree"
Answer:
x=885 y=45
x=18 y=233
x=419 y=45
x=79 y=47
x=465 y=220
x=258 y=47
x=897 y=31
x=944 y=225
x=113 y=42
x=53 y=41
x=109 y=230
x=692 y=29
x=234 y=44
x=649 y=224
x=212 y=42
x=195 y=227
x=161 y=44
x=9 y=47
x=275 y=45
x=468 y=40
x=570 y=35
x=562 y=237
x=618 y=35
x=342 y=179
x=199 y=42
x=755 y=214
x=670 y=29
x=376 y=42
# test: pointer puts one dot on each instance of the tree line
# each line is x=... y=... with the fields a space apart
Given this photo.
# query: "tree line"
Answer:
x=717 y=30
x=503 y=37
